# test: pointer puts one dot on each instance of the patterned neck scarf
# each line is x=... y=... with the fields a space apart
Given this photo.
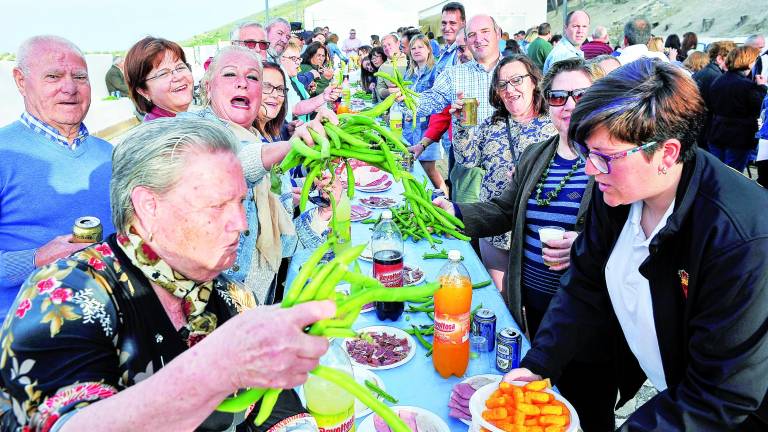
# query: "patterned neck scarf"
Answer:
x=194 y=295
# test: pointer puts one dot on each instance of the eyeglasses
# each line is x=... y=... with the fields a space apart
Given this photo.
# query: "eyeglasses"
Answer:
x=558 y=98
x=515 y=81
x=163 y=74
x=294 y=59
x=603 y=161
x=251 y=44
x=461 y=48
x=269 y=89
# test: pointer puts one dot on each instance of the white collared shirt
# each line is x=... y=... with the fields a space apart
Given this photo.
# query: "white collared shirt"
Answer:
x=631 y=294
x=634 y=52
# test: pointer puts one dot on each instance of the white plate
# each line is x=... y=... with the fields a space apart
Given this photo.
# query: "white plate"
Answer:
x=395 y=202
x=362 y=374
x=496 y=379
x=378 y=188
x=477 y=405
x=394 y=331
x=438 y=424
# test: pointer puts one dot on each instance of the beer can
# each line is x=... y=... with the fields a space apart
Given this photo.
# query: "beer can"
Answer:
x=87 y=229
x=484 y=324
x=508 y=345
x=469 y=112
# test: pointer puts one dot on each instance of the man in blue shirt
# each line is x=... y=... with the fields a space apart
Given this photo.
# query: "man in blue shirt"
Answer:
x=53 y=170
x=575 y=31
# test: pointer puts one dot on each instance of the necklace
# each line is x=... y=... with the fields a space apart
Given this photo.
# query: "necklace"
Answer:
x=555 y=192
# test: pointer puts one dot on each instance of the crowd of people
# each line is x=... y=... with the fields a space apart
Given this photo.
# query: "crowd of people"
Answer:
x=661 y=274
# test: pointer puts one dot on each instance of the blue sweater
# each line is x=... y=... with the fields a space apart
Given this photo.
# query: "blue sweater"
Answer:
x=44 y=187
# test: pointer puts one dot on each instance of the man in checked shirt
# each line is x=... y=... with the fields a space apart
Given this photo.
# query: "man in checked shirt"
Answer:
x=471 y=79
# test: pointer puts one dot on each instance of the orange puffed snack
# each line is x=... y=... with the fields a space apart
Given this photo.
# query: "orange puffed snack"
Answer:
x=528 y=408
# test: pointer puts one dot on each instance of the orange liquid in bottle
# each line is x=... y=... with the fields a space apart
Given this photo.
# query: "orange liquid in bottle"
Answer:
x=453 y=302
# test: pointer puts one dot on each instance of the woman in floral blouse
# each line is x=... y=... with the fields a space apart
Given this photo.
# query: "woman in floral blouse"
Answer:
x=140 y=332
x=496 y=144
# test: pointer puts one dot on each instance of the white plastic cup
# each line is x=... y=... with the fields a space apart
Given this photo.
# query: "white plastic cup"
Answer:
x=547 y=233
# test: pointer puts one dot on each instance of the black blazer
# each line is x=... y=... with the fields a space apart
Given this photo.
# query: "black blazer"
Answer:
x=708 y=277
x=735 y=102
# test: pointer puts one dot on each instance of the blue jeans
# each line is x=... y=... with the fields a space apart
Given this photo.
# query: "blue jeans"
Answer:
x=734 y=158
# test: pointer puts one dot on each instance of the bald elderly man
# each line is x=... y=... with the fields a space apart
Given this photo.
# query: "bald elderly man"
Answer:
x=53 y=170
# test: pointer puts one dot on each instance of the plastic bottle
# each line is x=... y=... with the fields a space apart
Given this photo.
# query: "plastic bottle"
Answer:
x=332 y=407
x=343 y=224
x=346 y=92
x=453 y=301
x=387 y=249
x=396 y=120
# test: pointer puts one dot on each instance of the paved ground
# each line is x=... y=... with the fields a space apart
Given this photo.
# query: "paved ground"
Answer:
x=646 y=392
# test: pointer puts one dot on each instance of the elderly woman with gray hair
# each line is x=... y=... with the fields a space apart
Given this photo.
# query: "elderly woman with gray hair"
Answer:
x=140 y=332
x=232 y=93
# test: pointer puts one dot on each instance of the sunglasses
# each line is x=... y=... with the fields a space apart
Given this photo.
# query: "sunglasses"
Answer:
x=603 y=161
x=558 y=98
x=252 y=44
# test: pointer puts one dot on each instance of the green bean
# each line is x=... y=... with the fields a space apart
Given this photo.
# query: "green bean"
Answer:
x=380 y=391
x=325 y=145
x=380 y=108
x=267 y=405
x=365 y=157
x=301 y=278
x=420 y=338
x=386 y=295
x=346 y=136
x=333 y=136
x=481 y=284
x=350 y=179
x=349 y=384
x=242 y=401
x=307 y=186
x=303 y=149
x=339 y=333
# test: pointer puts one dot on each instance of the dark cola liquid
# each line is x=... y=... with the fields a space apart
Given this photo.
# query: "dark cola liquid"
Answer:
x=388 y=269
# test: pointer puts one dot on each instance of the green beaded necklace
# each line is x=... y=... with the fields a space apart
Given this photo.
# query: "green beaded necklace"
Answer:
x=555 y=192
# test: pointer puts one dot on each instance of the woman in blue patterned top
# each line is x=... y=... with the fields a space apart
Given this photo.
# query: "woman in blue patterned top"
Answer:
x=520 y=120
x=550 y=187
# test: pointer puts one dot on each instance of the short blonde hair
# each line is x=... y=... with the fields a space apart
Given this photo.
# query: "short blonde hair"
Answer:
x=696 y=61
x=656 y=44
x=214 y=66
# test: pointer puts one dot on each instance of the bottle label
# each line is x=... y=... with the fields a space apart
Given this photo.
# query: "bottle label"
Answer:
x=390 y=275
x=452 y=329
x=343 y=426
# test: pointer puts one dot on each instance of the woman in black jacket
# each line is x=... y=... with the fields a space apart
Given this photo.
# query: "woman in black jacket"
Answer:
x=672 y=262
x=735 y=101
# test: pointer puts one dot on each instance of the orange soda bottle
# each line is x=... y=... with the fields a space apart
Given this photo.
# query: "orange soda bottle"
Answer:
x=453 y=301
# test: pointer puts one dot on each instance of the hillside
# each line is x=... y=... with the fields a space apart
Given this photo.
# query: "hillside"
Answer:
x=291 y=10
x=708 y=18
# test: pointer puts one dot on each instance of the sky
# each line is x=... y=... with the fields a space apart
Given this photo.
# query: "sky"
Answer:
x=114 y=25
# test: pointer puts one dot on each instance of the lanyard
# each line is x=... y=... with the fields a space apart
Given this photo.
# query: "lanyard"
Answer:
x=512 y=146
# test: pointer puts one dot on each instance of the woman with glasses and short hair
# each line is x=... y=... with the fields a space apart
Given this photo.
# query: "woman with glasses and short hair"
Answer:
x=520 y=119
x=672 y=262
x=300 y=104
x=548 y=189
x=159 y=80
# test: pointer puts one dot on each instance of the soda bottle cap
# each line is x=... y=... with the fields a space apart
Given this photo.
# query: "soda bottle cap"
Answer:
x=454 y=255
x=386 y=214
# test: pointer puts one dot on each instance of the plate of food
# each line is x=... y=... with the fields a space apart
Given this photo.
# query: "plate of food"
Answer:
x=377 y=202
x=412 y=275
x=358 y=213
x=458 y=403
x=380 y=347
x=417 y=419
x=361 y=376
x=494 y=405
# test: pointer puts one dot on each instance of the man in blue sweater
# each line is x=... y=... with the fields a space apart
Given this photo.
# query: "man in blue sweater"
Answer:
x=52 y=170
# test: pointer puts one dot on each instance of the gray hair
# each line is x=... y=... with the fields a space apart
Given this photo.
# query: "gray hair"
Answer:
x=599 y=33
x=235 y=33
x=752 y=39
x=154 y=155
x=277 y=21
x=117 y=60
x=390 y=35
x=214 y=66
x=637 y=31
x=26 y=49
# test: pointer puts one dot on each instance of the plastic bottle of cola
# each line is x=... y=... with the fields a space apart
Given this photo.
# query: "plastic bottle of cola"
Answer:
x=387 y=249
x=453 y=301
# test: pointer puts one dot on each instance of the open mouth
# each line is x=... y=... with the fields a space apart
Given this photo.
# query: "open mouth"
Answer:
x=180 y=88
x=271 y=104
x=240 y=102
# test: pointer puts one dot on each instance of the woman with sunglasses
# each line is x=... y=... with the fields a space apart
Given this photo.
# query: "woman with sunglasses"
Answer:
x=672 y=262
x=159 y=79
x=520 y=120
x=549 y=188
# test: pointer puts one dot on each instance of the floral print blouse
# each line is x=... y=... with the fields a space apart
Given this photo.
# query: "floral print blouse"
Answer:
x=86 y=327
x=487 y=146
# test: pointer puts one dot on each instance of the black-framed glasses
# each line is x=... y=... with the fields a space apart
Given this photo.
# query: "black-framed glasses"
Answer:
x=461 y=48
x=268 y=88
x=295 y=59
x=558 y=98
x=602 y=161
x=515 y=81
x=252 y=44
x=166 y=73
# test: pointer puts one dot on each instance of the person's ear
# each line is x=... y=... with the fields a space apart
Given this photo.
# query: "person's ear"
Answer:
x=145 y=205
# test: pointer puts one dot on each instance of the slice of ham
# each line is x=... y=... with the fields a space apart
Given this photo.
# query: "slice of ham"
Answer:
x=409 y=417
x=464 y=390
x=459 y=414
x=457 y=406
x=379 y=424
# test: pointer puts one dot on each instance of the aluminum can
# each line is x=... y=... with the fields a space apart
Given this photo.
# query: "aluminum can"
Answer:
x=508 y=345
x=469 y=112
x=87 y=229
x=484 y=324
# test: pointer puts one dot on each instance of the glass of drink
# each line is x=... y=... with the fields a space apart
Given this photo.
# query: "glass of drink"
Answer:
x=547 y=233
x=481 y=360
